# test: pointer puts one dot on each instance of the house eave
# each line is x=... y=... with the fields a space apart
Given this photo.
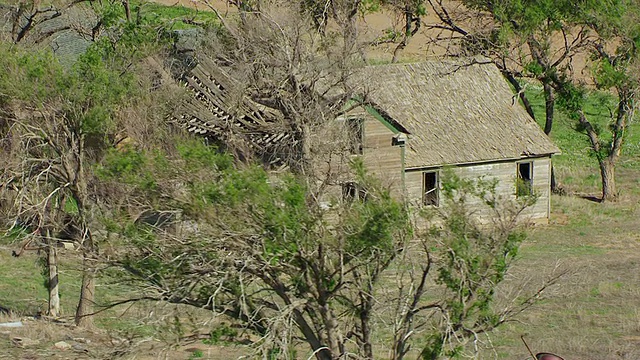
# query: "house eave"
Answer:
x=375 y=111
x=480 y=162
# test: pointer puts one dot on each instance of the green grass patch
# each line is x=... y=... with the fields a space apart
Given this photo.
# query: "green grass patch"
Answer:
x=21 y=284
x=178 y=17
x=543 y=249
x=22 y=287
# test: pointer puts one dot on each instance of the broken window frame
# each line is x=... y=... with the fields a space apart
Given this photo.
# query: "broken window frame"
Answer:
x=524 y=184
x=431 y=194
x=353 y=191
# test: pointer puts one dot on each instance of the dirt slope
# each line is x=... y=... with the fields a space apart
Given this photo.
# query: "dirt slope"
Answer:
x=372 y=27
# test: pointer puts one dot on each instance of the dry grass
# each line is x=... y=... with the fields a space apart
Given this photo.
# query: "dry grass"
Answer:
x=143 y=331
x=36 y=339
x=137 y=331
x=593 y=313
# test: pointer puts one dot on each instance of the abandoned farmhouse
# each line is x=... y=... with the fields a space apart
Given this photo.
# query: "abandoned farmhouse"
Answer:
x=412 y=122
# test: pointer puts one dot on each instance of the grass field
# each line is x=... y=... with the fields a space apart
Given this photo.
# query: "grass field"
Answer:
x=180 y=17
x=593 y=313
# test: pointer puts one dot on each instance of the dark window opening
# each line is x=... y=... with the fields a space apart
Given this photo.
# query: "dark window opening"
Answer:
x=356 y=136
x=353 y=191
x=430 y=189
x=524 y=183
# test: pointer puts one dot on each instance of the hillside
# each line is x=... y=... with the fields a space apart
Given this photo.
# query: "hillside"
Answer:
x=187 y=192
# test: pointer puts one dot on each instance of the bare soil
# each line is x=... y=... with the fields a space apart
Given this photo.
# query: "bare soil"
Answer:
x=373 y=26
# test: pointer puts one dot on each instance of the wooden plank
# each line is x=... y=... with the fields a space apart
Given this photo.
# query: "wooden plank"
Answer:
x=209 y=82
x=505 y=173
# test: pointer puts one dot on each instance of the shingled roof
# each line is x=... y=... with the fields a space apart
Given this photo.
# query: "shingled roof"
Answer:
x=66 y=31
x=455 y=111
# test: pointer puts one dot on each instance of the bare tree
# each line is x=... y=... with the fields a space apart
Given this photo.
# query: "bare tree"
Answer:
x=280 y=62
x=47 y=182
x=27 y=16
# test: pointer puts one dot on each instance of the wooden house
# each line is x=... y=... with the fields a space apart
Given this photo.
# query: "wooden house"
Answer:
x=409 y=122
x=418 y=119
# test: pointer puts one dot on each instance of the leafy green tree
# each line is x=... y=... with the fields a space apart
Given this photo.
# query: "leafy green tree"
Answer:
x=532 y=38
x=539 y=38
x=538 y=24
x=473 y=257
x=616 y=75
x=272 y=253
x=48 y=149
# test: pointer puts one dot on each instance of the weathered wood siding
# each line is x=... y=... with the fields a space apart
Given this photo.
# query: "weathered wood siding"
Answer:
x=506 y=174
x=385 y=161
x=382 y=159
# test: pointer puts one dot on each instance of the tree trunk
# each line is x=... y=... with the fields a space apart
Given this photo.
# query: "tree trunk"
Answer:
x=523 y=97
x=87 y=293
x=549 y=101
x=127 y=9
x=607 y=171
x=408 y=20
x=330 y=328
x=409 y=31
x=52 y=264
x=365 y=319
x=321 y=352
